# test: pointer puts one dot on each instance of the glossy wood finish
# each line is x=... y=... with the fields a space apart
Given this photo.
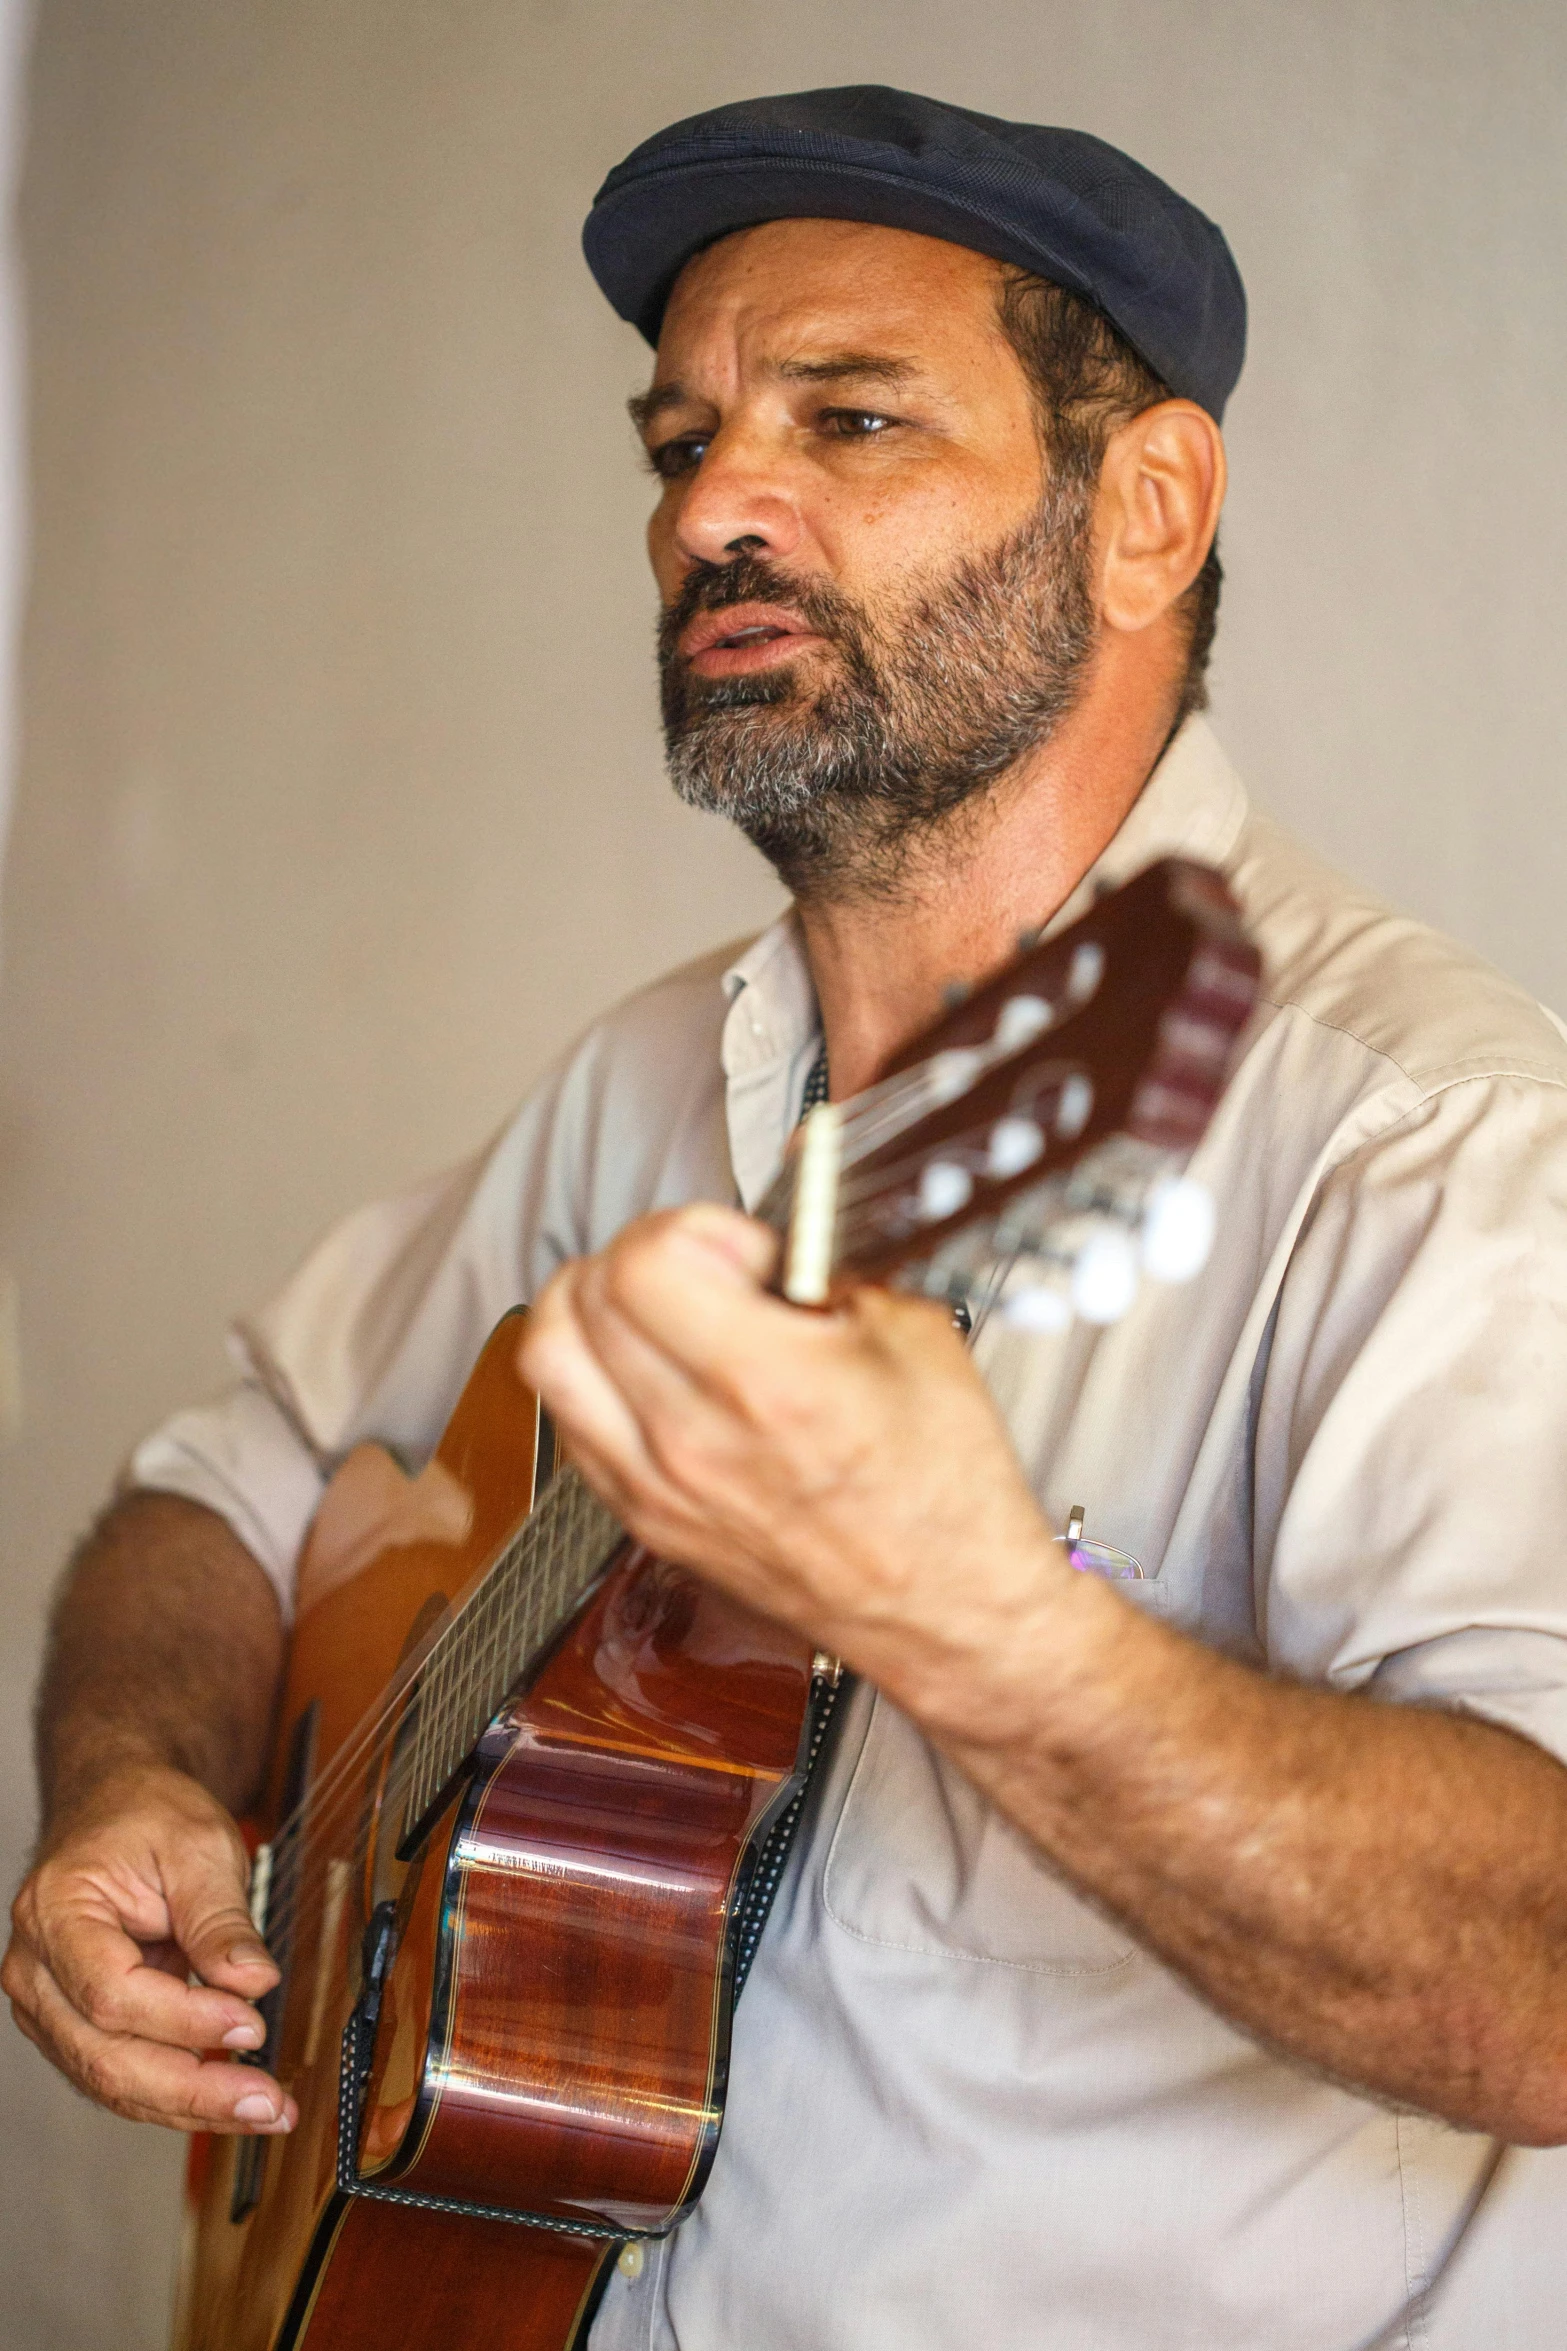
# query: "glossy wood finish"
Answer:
x=590 y=1888
x=554 y=2027
x=422 y=2278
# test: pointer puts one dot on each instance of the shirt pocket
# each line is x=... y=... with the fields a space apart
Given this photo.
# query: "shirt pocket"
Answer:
x=919 y=1861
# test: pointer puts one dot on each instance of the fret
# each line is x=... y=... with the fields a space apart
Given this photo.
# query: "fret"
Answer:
x=468 y=1673
x=497 y=1617
x=487 y=1650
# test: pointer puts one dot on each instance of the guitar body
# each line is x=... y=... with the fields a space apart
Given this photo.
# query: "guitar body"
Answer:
x=535 y=1987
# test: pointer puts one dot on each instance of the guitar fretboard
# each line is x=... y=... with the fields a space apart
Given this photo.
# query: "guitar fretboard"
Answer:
x=492 y=1645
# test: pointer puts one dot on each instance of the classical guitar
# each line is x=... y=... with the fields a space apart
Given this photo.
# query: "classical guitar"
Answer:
x=534 y=1787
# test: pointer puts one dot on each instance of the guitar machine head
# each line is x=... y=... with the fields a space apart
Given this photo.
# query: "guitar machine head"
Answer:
x=1028 y=1150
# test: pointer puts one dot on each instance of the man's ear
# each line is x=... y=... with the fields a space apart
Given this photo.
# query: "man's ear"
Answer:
x=1160 y=490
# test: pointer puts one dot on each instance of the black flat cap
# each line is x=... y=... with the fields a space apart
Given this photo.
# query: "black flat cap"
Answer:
x=1056 y=202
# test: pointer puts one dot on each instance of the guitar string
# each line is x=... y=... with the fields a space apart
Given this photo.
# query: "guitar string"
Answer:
x=532 y=1556
x=460 y=1695
x=335 y=1830
x=892 y=1179
x=428 y=1662
x=323 y=1831
x=451 y=1695
x=318 y=1829
x=462 y=1688
x=552 y=1597
x=331 y=1818
x=563 y=1570
x=435 y=1662
x=344 y=1782
x=854 y=1222
x=462 y=1664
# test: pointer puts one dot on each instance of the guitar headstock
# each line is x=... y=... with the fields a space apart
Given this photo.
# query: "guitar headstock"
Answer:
x=1031 y=1142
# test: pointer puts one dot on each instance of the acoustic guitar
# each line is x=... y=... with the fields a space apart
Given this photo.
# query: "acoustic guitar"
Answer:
x=534 y=1788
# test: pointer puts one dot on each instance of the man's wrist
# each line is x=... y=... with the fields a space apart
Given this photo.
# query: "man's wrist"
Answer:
x=1033 y=1664
x=115 y=1772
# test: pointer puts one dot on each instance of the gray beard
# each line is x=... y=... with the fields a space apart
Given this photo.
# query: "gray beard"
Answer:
x=841 y=789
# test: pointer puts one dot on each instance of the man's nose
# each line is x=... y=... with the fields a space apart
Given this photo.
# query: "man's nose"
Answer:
x=736 y=504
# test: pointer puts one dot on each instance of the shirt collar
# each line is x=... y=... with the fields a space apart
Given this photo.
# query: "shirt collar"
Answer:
x=770 y=986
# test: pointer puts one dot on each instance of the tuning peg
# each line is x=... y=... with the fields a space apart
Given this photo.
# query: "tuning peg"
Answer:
x=1015 y=1143
x=1023 y=1018
x=1075 y=1106
x=1104 y=1276
x=1178 y=1229
x=1085 y=971
x=1038 y=1309
x=945 y=1187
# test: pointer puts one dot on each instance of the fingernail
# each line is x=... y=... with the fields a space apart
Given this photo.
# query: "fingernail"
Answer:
x=244 y=2036
x=249 y=1955
x=255 y=2108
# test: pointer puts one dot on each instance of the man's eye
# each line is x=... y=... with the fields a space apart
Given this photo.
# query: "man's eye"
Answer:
x=855 y=424
x=672 y=459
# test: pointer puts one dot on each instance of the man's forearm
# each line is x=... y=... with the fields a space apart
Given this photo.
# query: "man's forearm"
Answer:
x=133 y=1963
x=1375 y=1890
x=166 y=1648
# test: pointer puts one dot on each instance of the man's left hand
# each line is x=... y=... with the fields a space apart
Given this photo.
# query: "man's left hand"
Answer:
x=845 y=1472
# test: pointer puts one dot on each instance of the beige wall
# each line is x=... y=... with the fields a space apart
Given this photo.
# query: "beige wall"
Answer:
x=341 y=803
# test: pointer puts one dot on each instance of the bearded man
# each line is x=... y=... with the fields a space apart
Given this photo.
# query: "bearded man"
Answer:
x=1178 y=1963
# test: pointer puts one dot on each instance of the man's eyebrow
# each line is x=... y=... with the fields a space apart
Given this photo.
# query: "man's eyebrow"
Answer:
x=642 y=407
x=840 y=366
x=874 y=366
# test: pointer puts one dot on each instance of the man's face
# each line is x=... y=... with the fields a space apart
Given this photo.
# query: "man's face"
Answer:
x=874 y=602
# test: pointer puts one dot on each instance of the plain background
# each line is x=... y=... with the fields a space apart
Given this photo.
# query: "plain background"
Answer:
x=341 y=805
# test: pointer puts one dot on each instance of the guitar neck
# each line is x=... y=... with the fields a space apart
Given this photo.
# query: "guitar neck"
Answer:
x=494 y=1641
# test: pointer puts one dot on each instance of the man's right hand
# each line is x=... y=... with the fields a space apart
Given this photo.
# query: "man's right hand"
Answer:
x=141 y=1886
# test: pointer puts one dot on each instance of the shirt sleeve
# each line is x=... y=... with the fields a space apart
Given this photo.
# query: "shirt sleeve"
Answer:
x=1410 y=1458
x=376 y=1332
x=375 y=1335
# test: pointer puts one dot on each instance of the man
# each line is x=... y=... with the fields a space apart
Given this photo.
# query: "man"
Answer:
x=1182 y=1963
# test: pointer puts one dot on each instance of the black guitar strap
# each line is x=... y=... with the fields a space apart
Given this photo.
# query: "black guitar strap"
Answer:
x=771 y=1857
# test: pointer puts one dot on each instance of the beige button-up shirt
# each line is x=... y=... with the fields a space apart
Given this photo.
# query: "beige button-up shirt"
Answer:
x=965 y=2109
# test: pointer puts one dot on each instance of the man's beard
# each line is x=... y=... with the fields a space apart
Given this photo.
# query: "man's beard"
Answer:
x=841 y=787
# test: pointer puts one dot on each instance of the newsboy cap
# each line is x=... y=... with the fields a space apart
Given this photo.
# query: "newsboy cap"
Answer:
x=1059 y=203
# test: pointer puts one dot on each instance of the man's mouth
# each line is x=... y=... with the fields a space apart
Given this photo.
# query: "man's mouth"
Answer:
x=744 y=637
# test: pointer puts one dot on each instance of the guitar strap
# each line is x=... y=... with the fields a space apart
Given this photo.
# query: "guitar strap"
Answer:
x=771 y=1857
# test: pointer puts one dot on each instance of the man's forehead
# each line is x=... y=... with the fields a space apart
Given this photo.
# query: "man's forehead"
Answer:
x=807 y=297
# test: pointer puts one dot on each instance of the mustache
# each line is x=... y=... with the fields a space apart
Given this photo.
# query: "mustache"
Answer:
x=750 y=579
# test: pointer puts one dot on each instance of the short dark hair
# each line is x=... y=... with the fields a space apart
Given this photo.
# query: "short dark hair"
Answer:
x=1087 y=382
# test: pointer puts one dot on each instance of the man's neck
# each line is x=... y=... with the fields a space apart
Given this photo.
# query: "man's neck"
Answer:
x=999 y=866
